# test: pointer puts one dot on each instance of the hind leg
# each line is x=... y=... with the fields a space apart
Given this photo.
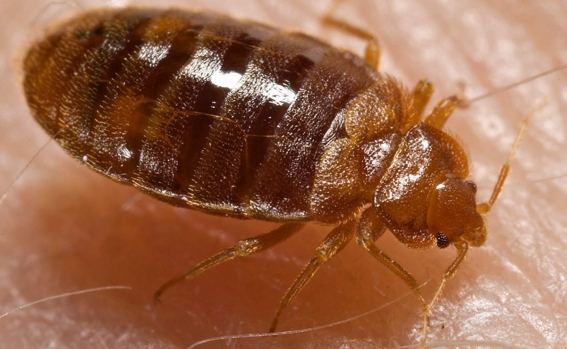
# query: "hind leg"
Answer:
x=242 y=249
x=372 y=52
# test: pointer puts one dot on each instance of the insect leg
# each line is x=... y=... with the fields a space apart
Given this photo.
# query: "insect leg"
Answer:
x=462 y=249
x=242 y=248
x=372 y=51
x=337 y=239
x=440 y=114
x=420 y=96
x=369 y=229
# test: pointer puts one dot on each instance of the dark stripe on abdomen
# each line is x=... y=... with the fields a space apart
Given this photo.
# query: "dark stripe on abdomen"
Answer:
x=195 y=108
x=285 y=180
x=188 y=107
x=240 y=139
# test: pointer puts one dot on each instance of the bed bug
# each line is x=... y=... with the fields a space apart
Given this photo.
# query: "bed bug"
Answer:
x=239 y=119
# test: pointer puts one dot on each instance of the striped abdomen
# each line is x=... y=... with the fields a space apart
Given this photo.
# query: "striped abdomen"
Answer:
x=197 y=109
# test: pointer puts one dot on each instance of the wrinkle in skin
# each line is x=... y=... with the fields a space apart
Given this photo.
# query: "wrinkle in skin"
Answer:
x=62 y=229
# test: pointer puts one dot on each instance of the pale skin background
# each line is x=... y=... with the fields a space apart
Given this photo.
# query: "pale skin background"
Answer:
x=64 y=228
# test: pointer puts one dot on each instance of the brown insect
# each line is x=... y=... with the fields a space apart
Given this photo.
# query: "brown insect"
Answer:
x=239 y=119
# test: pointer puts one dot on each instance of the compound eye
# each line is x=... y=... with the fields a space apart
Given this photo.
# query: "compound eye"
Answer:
x=472 y=185
x=442 y=240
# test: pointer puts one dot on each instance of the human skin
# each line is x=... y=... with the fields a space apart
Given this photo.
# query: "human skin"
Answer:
x=65 y=228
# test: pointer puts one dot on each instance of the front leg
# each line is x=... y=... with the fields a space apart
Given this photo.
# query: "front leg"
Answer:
x=370 y=228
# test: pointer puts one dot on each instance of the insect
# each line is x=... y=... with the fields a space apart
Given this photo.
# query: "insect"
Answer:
x=277 y=171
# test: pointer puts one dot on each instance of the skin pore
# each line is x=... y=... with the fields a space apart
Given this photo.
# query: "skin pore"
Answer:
x=65 y=228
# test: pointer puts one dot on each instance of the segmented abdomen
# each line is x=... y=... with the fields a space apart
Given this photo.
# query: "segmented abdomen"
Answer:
x=196 y=109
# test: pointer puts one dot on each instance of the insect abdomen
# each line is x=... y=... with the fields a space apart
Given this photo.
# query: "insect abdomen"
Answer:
x=196 y=109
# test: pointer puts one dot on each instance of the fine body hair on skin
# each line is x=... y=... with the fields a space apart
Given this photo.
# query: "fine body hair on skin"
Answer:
x=65 y=228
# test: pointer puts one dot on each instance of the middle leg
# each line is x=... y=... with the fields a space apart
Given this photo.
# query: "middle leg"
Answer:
x=337 y=239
